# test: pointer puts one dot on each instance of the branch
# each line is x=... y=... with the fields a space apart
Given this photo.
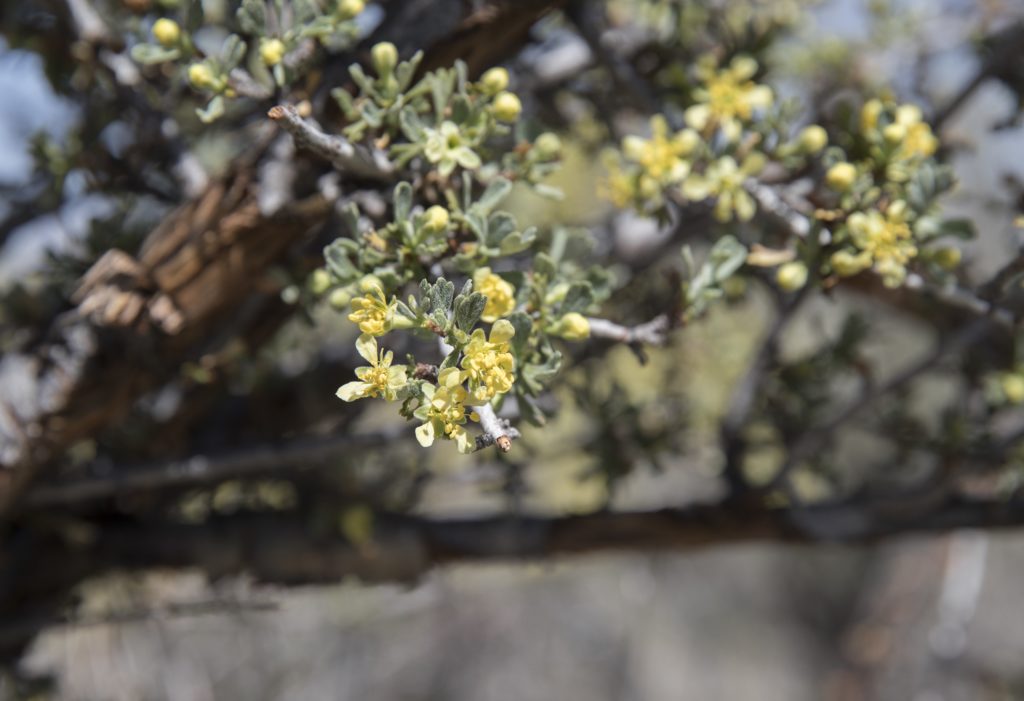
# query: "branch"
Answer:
x=300 y=454
x=279 y=548
x=653 y=332
x=344 y=155
x=496 y=431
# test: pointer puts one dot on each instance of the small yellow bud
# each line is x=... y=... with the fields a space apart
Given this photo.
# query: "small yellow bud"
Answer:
x=507 y=107
x=548 y=146
x=369 y=283
x=494 y=81
x=200 y=75
x=385 y=58
x=869 y=114
x=319 y=281
x=947 y=257
x=841 y=176
x=436 y=218
x=340 y=298
x=572 y=327
x=894 y=133
x=272 y=51
x=347 y=9
x=1013 y=387
x=813 y=138
x=791 y=276
x=167 y=32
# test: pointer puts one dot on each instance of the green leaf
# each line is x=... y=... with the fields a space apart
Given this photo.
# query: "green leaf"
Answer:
x=544 y=266
x=468 y=309
x=496 y=191
x=194 y=16
x=726 y=257
x=344 y=100
x=305 y=11
x=213 y=111
x=406 y=71
x=959 y=228
x=518 y=241
x=339 y=263
x=252 y=17
x=499 y=225
x=361 y=79
x=233 y=51
x=578 y=298
x=410 y=123
x=403 y=201
x=148 y=54
x=523 y=325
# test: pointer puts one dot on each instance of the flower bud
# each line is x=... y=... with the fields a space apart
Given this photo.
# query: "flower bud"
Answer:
x=319 y=281
x=347 y=9
x=200 y=75
x=548 y=146
x=436 y=218
x=340 y=298
x=812 y=139
x=572 y=327
x=494 y=81
x=947 y=257
x=894 y=133
x=841 y=176
x=385 y=58
x=370 y=282
x=507 y=107
x=1012 y=385
x=272 y=51
x=167 y=32
x=791 y=276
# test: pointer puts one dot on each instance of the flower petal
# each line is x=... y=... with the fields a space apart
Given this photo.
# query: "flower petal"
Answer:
x=354 y=390
x=366 y=346
x=425 y=434
x=502 y=331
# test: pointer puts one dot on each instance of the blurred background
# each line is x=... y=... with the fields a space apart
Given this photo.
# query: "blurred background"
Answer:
x=922 y=618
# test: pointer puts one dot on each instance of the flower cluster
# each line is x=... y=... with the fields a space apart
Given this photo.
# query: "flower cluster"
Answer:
x=489 y=366
x=727 y=98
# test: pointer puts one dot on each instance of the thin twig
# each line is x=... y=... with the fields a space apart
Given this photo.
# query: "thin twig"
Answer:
x=203 y=469
x=652 y=333
x=354 y=159
x=496 y=431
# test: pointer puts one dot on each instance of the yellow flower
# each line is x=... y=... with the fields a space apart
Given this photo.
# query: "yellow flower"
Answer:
x=662 y=157
x=724 y=179
x=887 y=239
x=869 y=115
x=918 y=140
x=1012 y=385
x=372 y=312
x=499 y=292
x=272 y=51
x=380 y=379
x=166 y=32
x=617 y=186
x=444 y=411
x=488 y=364
x=728 y=97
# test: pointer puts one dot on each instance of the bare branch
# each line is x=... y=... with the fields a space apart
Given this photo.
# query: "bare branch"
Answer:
x=344 y=155
x=653 y=332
